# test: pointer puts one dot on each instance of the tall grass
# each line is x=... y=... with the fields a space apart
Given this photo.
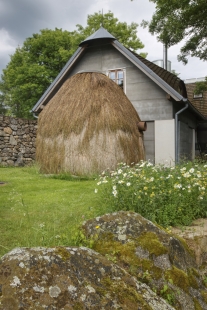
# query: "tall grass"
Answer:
x=165 y=195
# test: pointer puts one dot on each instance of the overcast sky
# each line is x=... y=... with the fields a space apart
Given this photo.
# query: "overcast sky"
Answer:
x=20 y=19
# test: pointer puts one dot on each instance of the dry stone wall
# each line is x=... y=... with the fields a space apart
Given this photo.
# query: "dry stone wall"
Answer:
x=17 y=141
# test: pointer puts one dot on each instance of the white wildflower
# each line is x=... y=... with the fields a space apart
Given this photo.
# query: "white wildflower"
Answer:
x=186 y=175
x=142 y=165
x=183 y=169
x=149 y=164
x=178 y=186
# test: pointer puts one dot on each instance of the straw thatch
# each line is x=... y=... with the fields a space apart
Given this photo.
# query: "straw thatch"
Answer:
x=87 y=127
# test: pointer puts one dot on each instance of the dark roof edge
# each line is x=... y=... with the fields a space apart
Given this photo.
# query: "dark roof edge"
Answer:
x=149 y=72
x=58 y=79
x=196 y=111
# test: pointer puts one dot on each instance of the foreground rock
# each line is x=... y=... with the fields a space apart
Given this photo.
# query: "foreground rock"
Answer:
x=152 y=255
x=70 y=278
x=134 y=265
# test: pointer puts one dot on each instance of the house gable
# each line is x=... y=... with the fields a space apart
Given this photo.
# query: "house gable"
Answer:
x=149 y=100
x=157 y=95
x=167 y=82
x=100 y=39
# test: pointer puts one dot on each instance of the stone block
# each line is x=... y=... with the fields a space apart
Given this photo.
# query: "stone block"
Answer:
x=14 y=127
x=12 y=141
x=8 y=130
x=10 y=162
x=14 y=121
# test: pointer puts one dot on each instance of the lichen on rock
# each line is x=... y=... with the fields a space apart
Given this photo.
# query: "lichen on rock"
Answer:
x=133 y=264
x=148 y=252
x=70 y=278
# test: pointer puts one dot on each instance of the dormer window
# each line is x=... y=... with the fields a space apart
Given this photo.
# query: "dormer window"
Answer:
x=118 y=76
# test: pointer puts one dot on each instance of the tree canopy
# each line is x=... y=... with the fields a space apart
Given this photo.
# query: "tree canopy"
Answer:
x=34 y=66
x=124 y=33
x=175 y=20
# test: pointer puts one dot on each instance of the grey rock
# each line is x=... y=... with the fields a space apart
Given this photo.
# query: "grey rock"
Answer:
x=70 y=278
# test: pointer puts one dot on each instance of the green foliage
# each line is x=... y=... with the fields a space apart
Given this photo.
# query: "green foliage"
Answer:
x=167 y=293
x=125 y=34
x=201 y=87
x=176 y=20
x=34 y=66
x=165 y=195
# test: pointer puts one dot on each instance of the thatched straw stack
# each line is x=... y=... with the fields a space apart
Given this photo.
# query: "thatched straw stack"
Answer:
x=87 y=127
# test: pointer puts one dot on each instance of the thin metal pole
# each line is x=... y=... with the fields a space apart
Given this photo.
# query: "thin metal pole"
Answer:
x=165 y=56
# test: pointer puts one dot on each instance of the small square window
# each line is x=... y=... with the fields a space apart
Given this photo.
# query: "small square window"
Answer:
x=117 y=76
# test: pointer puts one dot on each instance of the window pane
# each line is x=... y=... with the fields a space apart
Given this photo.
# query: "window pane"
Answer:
x=112 y=75
x=120 y=74
x=117 y=76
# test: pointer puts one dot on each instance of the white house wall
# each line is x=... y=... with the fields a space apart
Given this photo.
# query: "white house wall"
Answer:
x=165 y=142
x=149 y=142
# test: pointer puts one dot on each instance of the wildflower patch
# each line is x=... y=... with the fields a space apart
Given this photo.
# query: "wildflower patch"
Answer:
x=169 y=196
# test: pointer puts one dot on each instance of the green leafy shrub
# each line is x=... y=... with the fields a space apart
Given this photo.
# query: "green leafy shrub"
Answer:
x=166 y=195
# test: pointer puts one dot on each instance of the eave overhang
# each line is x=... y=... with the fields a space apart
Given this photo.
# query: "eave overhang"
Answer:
x=153 y=76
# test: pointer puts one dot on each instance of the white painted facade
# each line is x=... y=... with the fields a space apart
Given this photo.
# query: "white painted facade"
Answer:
x=165 y=142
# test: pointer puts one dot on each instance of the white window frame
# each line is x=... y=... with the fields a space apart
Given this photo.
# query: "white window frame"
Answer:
x=124 y=76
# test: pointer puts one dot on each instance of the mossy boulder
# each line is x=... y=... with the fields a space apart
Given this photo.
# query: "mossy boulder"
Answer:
x=133 y=264
x=70 y=278
x=148 y=252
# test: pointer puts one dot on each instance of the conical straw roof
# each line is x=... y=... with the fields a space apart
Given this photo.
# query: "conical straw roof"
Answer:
x=87 y=127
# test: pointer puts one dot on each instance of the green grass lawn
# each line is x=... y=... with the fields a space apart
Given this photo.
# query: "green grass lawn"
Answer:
x=42 y=210
x=37 y=210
